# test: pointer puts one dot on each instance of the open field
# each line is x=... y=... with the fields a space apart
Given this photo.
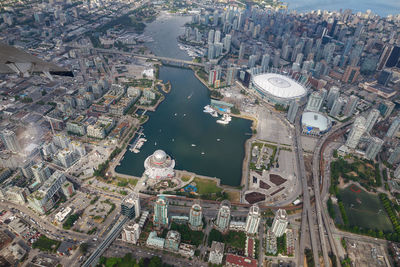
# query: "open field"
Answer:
x=205 y=186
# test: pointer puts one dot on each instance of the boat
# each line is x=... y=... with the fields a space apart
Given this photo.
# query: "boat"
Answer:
x=225 y=119
x=190 y=96
x=202 y=153
x=208 y=109
x=214 y=114
x=184 y=115
x=218 y=139
x=176 y=114
x=193 y=145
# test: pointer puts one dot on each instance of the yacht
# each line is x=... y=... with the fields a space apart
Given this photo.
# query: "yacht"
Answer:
x=225 y=119
x=208 y=109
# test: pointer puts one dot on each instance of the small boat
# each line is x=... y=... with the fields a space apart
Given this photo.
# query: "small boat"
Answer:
x=202 y=153
x=190 y=96
x=208 y=109
x=218 y=139
x=176 y=114
x=173 y=140
x=193 y=145
x=184 y=115
x=214 y=114
x=155 y=143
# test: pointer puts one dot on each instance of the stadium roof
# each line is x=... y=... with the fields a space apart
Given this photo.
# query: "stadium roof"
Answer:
x=279 y=85
x=315 y=120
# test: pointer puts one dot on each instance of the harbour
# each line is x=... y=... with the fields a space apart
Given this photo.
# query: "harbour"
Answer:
x=179 y=120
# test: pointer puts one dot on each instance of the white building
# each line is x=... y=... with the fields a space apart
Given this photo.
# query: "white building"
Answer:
x=61 y=215
x=154 y=241
x=216 y=253
x=358 y=129
x=315 y=101
x=223 y=217
x=131 y=233
x=373 y=148
x=371 y=119
x=253 y=220
x=196 y=217
x=159 y=165
x=280 y=223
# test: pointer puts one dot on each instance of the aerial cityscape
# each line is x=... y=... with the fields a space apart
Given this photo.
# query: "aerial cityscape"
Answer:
x=199 y=133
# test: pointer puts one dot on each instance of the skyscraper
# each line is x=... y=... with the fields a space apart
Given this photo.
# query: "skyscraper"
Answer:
x=252 y=61
x=397 y=172
x=350 y=106
x=394 y=128
x=211 y=36
x=277 y=58
x=371 y=119
x=130 y=206
x=211 y=51
x=315 y=101
x=196 y=217
x=230 y=75
x=10 y=141
x=161 y=212
x=227 y=42
x=280 y=223
x=265 y=61
x=332 y=95
x=217 y=36
x=223 y=216
x=337 y=107
x=373 y=148
x=358 y=129
x=241 y=51
x=292 y=112
x=253 y=220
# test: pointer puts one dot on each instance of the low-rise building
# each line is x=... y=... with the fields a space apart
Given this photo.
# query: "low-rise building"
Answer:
x=186 y=250
x=154 y=241
x=172 y=241
x=61 y=215
x=239 y=261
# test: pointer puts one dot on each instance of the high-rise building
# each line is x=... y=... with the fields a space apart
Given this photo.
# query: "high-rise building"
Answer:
x=337 y=107
x=216 y=252
x=41 y=172
x=394 y=128
x=358 y=129
x=386 y=108
x=10 y=141
x=277 y=58
x=66 y=157
x=394 y=156
x=351 y=74
x=211 y=51
x=214 y=75
x=280 y=223
x=373 y=148
x=230 y=75
x=130 y=206
x=265 y=61
x=253 y=220
x=241 y=51
x=223 y=216
x=252 y=61
x=384 y=77
x=292 y=112
x=211 y=37
x=217 y=36
x=196 y=217
x=315 y=101
x=332 y=95
x=371 y=119
x=227 y=42
x=350 y=106
x=161 y=212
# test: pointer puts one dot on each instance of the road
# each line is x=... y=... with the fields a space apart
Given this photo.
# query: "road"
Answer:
x=307 y=209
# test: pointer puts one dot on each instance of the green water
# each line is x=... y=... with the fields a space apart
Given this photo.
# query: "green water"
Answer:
x=180 y=121
x=365 y=210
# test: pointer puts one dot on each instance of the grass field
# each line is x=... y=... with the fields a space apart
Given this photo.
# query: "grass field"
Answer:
x=46 y=244
x=205 y=186
x=364 y=209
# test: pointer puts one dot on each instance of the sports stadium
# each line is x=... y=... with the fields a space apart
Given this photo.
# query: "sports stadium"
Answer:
x=315 y=123
x=278 y=88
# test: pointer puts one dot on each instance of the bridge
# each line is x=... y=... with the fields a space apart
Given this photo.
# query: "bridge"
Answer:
x=168 y=60
x=112 y=235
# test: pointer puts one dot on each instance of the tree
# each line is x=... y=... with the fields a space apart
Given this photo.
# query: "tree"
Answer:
x=155 y=262
x=83 y=248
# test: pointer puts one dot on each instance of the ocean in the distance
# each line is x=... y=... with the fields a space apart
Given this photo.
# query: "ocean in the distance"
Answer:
x=382 y=8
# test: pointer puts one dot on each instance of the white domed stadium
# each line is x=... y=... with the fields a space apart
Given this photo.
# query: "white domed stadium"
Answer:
x=278 y=88
x=315 y=123
x=159 y=165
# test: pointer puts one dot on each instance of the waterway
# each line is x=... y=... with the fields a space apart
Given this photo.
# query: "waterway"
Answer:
x=382 y=8
x=180 y=127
